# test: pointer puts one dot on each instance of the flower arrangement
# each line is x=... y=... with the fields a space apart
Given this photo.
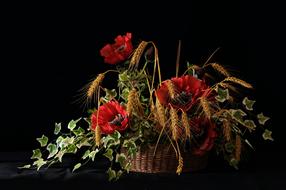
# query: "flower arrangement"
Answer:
x=189 y=115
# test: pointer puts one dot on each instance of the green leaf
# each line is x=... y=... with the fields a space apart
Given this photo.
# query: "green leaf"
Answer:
x=77 y=166
x=110 y=94
x=111 y=140
x=36 y=154
x=262 y=119
x=43 y=140
x=111 y=174
x=108 y=154
x=39 y=163
x=78 y=131
x=222 y=95
x=119 y=174
x=121 y=159
x=267 y=135
x=60 y=155
x=66 y=142
x=229 y=147
x=53 y=149
x=83 y=142
x=59 y=141
x=25 y=167
x=234 y=163
x=71 y=149
x=92 y=154
x=250 y=124
x=248 y=103
x=72 y=124
x=131 y=147
x=238 y=115
x=86 y=154
x=58 y=127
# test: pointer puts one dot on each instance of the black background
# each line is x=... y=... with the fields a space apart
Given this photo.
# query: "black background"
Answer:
x=50 y=51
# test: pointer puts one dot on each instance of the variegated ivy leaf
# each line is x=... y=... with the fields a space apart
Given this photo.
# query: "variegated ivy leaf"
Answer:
x=92 y=154
x=78 y=131
x=111 y=174
x=25 y=167
x=248 y=103
x=131 y=147
x=229 y=147
x=58 y=127
x=60 y=155
x=36 y=154
x=66 y=142
x=77 y=166
x=262 y=119
x=267 y=135
x=250 y=124
x=234 y=163
x=222 y=95
x=59 y=141
x=72 y=124
x=53 y=149
x=83 y=142
x=39 y=163
x=86 y=154
x=110 y=94
x=71 y=148
x=108 y=154
x=111 y=140
x=43 y=140
x=121 y=159
x=238 y=114
x=118 y=174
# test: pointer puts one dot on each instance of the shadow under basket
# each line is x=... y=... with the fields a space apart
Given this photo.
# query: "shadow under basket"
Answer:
x=165 y=160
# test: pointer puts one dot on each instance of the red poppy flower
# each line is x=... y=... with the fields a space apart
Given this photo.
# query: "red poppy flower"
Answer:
x=204 y=135
x=187 y=90
x=119 y=51
x=111 y=116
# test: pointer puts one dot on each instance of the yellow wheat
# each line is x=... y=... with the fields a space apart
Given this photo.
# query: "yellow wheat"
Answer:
x=138 y=53
x=131 y=101
x=206 y=107
x=94 y=85
x=160 y=113
x=97 y=135
x=186 y=125
x=171 y=88
x=180 y=165
x=238 y=81
x=174 y=123
x=220 y=69
x=226 y=130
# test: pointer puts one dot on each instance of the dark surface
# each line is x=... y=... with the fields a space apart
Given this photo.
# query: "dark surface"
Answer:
x=93 y=176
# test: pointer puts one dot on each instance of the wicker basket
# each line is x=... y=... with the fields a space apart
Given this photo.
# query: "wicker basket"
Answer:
x=165 y=160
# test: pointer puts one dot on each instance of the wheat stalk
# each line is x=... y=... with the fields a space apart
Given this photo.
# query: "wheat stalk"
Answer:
x=174 y=123
x=160 y=113
x=206 y=107
x=138 y=53
x=171 y=88
x=220 y=69
x=226 y=130
x=131 y=101
x=186 y=125
x=180 y=165
x=238 y=81
x=237 y=147
x=94 y=85
x=97 y=135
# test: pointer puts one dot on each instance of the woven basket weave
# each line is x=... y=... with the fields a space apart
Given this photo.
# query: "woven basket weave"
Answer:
x=165 y=160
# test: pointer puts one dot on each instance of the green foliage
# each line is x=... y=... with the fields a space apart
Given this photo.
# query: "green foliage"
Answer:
x=72 y=124
x=267 y=135
x=77 y=166
x=39 y=163
x=222 y=95
x=248 y=103
x=111 y=140
x=58 y=127
x=43 y=140
x=53 y=149
x=108 y=154
x=262 y=119
x=36 y=154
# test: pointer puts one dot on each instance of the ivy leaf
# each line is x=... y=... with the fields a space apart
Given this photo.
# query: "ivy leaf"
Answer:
x=223 y=95
x=121 y=159
x=111 y=140
x=39 y=163
x=52 y=148
x=108 y=154
x=111 y=174
x=78 y=131
x=72 y=124
x=71 y=148
x=250 y=124
x=267 y=135
x=110 y=94
x=25 y=167
x=248 y=103
x=229 y=147
x=60 y=155
x=58 y=127
x=262 y=119
x=77 y=166
x=234 y=163
x=43 y=140
x=119 y=174
x=66 y=142
x=86 y=154
x=131 y=147
x=36 y=154
x=238 y=115
x=83 y=142
x=92 y=154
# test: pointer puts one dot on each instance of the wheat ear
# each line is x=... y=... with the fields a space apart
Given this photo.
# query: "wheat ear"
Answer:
x=138 y=53
x=219 y=68
x=94 y=85
x=238 y=81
